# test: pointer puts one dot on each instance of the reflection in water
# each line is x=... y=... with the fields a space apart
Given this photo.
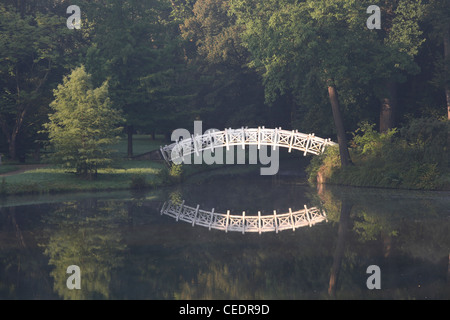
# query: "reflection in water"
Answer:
x=86 y=234
x=243 y=223
x=127 y=250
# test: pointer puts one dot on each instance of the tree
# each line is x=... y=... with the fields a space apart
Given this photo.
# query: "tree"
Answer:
x=29 y=52
x=292 y=40
x=438 y=15
x=400 y=38
x=83 y=125
x=228 y=92
x=135 y=47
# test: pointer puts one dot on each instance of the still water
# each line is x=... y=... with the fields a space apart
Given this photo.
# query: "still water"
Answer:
x=127 y=250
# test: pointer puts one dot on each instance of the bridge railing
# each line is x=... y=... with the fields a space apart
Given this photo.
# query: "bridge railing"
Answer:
x=244 y=223
x=308 y=143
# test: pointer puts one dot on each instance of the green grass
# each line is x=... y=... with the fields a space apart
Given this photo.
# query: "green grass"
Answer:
x=53 y=179
x=123 y=174
x=5 y=168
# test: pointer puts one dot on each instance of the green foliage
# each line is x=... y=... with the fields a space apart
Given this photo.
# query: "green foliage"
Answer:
x=138 y=182
x=322 y=167
x=34 y=49
x=413 y=157
x=369 y=142
x=172 y=174
x=83 y=126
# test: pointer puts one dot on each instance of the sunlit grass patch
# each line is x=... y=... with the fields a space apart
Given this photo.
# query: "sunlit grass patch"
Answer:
x=57 y=179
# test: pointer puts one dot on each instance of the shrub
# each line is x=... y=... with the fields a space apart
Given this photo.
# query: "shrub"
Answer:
x=138 y=182
x=414 y=157
x=172 y=174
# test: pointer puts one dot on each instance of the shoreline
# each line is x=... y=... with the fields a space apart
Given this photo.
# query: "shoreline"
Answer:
x=45 y=179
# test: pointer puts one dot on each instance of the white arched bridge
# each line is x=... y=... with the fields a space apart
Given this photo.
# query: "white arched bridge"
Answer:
x=292 y=140
x=244 y=223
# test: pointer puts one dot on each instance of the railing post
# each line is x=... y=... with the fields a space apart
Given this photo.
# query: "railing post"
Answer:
x=164 y=206
x=194 y=142
x=291 y=141
x=292 y=219
x=307 y=145
x=212 y=219
x=195 y=216
x=307 y=215
x=228 y=219
x=259 y=222
x=275 y=220
x=259 y=138
x=275 y=137
x=179 y=210
x=243 y=222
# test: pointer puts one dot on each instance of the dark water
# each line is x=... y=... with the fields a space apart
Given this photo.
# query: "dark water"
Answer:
x=126 y=250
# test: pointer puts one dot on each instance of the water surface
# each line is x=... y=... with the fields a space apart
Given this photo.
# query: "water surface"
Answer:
x=127 y=250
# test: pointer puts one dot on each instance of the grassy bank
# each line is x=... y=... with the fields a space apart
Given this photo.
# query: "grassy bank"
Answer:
x=124 y=174
x=415 y=157
x=53 y=179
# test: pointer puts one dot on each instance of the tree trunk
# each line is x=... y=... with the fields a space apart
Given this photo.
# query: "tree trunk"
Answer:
x=344 y=221
x=447 y=62
x=388 y=108
x=339 y=123
x=130 y=130
x=12 y=148
x=448 y=269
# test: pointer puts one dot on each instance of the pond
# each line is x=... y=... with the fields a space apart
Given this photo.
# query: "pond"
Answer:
x=126 y=249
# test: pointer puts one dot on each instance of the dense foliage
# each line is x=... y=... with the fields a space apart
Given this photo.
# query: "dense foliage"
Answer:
x=299 y=64
x=415 y=157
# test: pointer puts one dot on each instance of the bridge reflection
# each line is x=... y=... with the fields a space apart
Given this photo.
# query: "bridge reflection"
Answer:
x=244 y=223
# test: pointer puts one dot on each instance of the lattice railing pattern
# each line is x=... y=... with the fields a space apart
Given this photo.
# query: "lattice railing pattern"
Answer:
x=244 y=223
x=308 y=143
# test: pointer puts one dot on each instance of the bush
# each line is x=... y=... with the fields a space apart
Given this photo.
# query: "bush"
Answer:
x=138 y=182
x=414 y=157
x=172 y=174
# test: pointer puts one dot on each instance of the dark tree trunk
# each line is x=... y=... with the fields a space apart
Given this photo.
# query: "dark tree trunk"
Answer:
x=339 y=123
x=12 y=149
x=447 y=62
x=130 y=130
x=388 y=108
x=344 y=221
